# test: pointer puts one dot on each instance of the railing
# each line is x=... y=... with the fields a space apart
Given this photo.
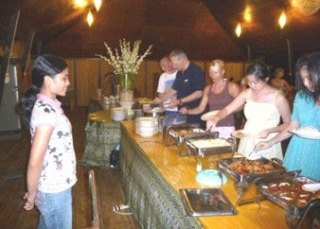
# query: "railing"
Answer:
x=97 y=222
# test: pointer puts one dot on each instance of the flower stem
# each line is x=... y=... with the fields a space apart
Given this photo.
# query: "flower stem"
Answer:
x=126 y=81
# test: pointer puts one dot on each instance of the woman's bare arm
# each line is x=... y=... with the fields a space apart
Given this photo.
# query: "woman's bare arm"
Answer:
x=202 y=106
x=235 y=105
x=38 y=150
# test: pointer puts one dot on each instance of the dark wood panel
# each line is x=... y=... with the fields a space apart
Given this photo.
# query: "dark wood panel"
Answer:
x=203 y=28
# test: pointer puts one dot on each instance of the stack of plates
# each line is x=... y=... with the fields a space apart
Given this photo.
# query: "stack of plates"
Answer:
x=146 y=126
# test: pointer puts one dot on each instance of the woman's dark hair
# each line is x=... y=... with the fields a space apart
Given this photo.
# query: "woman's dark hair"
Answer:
x=276 y=71
x=314 y=74
x=302 y=62
x=259 y=70
x=44 y=65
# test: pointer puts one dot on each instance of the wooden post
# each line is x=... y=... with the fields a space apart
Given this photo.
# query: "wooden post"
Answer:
x=248 y=52
x=289 y=58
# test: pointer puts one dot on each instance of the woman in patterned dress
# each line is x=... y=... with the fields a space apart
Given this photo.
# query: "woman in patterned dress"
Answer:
x=51 y=171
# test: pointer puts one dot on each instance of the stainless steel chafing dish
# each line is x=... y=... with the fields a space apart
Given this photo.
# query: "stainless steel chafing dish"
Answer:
x=286 y=190
x=171 y=132
x=245 y=181
x=302 y=208
x=215 y=145
x=183 y=141
x=208 y=149
x=224 y=166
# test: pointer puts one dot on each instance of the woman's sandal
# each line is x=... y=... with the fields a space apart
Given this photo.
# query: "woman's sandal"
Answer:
x=118 y=209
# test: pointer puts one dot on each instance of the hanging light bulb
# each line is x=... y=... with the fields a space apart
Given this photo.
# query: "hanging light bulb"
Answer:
x=282 y=20
x=90 y=18
x=238 y=30
x=80 y=3
x=247 y=14
x=97 y=4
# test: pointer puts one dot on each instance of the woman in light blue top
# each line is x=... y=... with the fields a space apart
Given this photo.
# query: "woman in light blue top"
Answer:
x=303 y=152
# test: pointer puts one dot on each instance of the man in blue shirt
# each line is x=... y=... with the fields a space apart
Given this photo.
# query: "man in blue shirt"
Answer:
x=188 y=85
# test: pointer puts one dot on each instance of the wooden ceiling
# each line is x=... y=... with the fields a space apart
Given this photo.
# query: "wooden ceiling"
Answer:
x=203 y=28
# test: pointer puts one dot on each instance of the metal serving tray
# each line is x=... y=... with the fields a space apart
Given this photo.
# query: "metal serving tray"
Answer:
x=170 y=132
x=204 y=151
x=206 y=202
x=279 y=198
x=223 y=165
x=180 y=136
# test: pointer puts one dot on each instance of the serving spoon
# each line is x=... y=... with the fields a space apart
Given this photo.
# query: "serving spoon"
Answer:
x=253 y=155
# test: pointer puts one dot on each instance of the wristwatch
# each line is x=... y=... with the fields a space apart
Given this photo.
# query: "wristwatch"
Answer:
x=180 y=102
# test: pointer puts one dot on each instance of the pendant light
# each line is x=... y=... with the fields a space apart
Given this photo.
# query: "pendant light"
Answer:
x=90 y=18
x=238 y=30
x=282 y=20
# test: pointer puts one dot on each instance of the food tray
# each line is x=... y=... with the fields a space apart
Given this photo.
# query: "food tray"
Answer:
x=206 y=202
x=181 y=134
x=286 y=191
x=171 y=132
x=224 y=166
x=183 y=148
x=202 y=150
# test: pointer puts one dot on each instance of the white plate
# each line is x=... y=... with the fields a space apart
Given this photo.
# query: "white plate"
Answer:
x=307 y=132
x=209 y=115
x=244 y=134
x=311 y=187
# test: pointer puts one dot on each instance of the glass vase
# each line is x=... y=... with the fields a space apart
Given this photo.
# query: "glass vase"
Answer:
x=126 y=81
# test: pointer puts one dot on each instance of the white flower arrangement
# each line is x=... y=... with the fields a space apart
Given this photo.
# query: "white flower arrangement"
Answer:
x=128 y=60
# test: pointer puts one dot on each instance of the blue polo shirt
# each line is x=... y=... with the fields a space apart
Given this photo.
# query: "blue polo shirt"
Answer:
x=186 y=82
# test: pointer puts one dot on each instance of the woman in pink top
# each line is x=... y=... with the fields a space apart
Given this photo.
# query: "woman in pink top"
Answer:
x=217 y=95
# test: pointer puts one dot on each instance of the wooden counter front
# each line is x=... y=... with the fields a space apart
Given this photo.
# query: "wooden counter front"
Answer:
x=180 y=172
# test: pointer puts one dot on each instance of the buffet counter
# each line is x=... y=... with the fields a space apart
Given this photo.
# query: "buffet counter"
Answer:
x=152 y=175
x=102 y=136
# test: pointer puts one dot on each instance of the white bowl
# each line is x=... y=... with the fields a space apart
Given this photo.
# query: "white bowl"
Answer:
x=141 y=125
x=147 y=129
x=118 y=113
x=146 y=122
x=147 y=132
